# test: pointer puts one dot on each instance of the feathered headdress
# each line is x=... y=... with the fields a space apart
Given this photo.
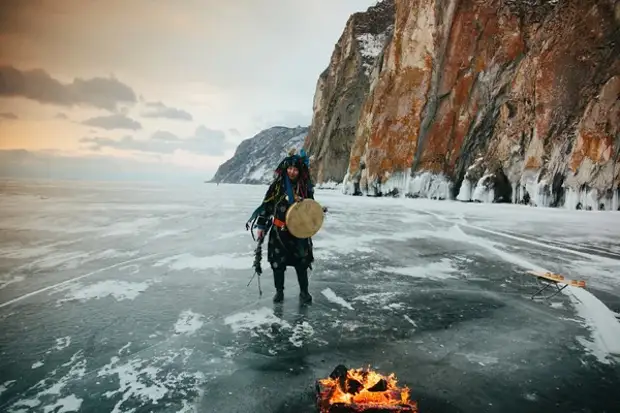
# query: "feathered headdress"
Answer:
x=301 y=162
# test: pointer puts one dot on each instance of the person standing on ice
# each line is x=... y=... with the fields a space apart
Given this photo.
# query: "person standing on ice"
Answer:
x=292 y=184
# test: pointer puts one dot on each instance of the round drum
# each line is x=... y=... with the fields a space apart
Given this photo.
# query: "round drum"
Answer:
x=305 y=218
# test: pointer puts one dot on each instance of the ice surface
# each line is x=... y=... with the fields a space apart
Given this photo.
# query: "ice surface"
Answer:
x=156 y=314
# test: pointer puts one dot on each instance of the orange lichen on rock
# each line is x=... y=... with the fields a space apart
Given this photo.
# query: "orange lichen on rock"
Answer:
x=472 y=40
x=532 y=162
x=390 y=118
x=600 y=123
x=593 y=146
x=516 y=85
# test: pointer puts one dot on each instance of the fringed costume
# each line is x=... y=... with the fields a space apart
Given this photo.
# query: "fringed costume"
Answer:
x=285 y=250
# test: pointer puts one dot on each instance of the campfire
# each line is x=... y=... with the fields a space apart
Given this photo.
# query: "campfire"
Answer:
x=362 y=391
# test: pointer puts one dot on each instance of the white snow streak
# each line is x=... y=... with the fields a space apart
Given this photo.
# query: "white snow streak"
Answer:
x=331 y=296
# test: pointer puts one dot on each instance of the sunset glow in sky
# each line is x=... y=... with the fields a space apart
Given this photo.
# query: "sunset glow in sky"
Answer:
x=165 y=89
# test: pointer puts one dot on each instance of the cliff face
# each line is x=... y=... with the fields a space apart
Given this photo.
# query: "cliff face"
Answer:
x=256 y=158
x=496 y=100
x=342 y=89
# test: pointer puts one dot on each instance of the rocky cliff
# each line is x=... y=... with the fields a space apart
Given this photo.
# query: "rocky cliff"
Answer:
x=256 y=158
x=494 y=100
x=342 y=89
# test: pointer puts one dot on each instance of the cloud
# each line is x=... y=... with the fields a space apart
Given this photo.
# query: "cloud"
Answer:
x=38 y=85
x=8 y=115
x=159 y=110
x=48 y=165
x=61 y=115
x=205 y=141
x=113 y=122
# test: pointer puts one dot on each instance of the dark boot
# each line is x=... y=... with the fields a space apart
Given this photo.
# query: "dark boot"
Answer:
x=278 y=297
x=302 y=279
x=278 y=281
x=305 y=297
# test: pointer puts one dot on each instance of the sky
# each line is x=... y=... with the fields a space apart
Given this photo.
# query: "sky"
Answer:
x=154 y=89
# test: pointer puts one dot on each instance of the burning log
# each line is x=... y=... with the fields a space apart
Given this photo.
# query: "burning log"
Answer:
x=362 y=391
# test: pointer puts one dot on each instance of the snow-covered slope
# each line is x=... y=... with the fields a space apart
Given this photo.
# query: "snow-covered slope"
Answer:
x=256 y=158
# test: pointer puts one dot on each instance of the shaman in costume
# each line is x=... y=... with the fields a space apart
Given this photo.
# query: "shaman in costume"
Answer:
x=292 y=183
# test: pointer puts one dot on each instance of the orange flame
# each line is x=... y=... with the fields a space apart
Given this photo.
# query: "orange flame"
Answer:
x=385 y=392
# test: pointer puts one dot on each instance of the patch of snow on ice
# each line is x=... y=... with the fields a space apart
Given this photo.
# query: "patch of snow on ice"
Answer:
x=36 y=365
x=69 y=260
x=479 y=359
x=74 y=259
x=188 y=323
x=394 y=306
x=331 y=296
x=54 y=386
x=410 y=321
x=300 y=332
x=254 y=320
x=167 y=233
x=112 y=253
x=62 y=343
x=604 y=327
x=16 y=279
x=22 y=252
x=65 y=405
x=119 y=290
x=381 y=298
x=6 y=385
x=189 y=261
x=347 y=325
x=125 y=347
x=438 y=270
x=130 y=227
x=147 y=382
x=131 y=269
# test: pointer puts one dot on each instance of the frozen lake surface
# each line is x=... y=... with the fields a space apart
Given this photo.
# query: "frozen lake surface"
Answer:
x=126 y=298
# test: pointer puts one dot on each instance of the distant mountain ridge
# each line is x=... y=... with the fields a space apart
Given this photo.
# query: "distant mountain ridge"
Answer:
x=256 y=158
